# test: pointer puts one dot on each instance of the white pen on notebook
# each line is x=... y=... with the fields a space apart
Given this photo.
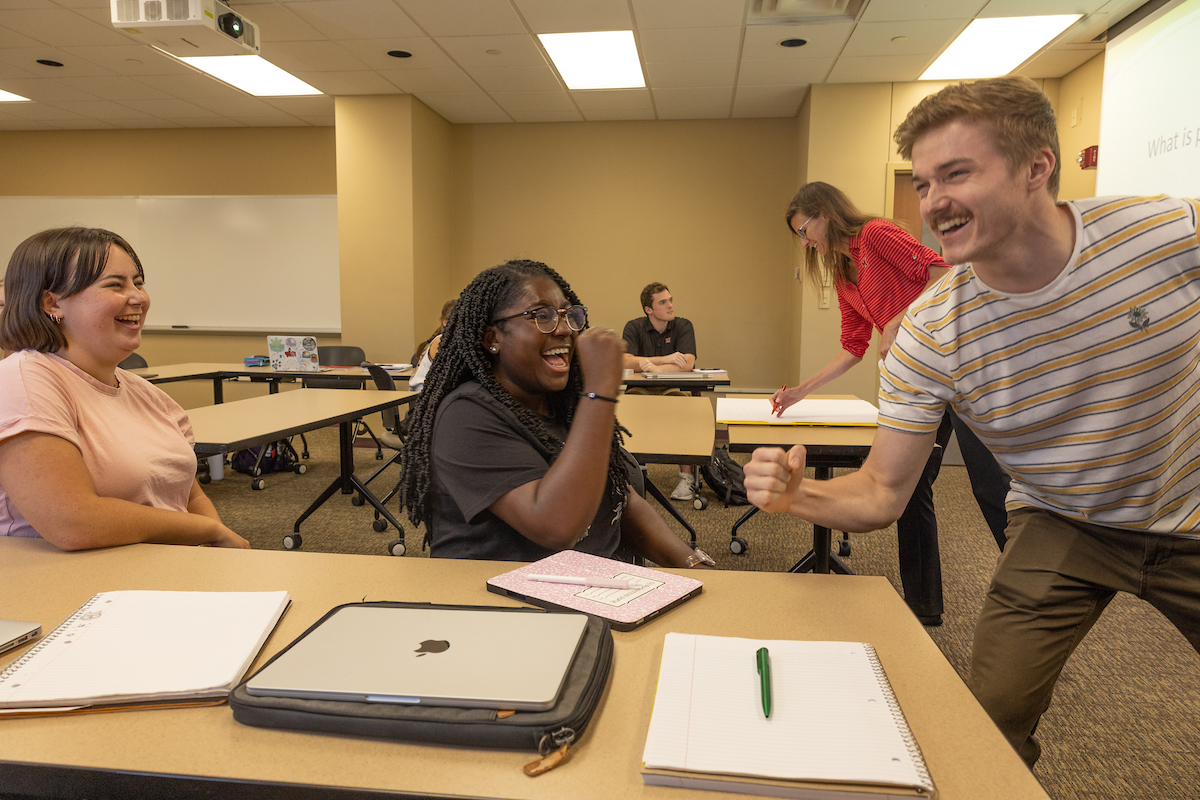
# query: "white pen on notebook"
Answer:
x=603 y=583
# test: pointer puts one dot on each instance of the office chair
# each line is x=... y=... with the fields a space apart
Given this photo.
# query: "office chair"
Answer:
x=342 y=356
x=394 y=440
x=133 y=361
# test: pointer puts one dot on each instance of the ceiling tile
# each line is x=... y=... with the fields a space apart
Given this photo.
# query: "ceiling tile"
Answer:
x=320 y=122
x=354 y=19
x=762 y=41
x=1032 y=8
x=41 y=112
x=278 y=23
x=888 y=10
x=546 y=116
x=302 y=106
x=130 y=59
x=516 y=50
x=676 y=75
x=9 y=72
x=761 y=112
x=440 y=81
x=771 y=96
x=533 y=101
x=209 y=122
x=43 y=90
x=100 y=109
x=774 y=72
x=464 y=17
x=83 y=125
x=60 y=27
x=18 y=124
x=336 y=83
x=144 y=123
x=297 y=57
x=1058 y=62
x=880 y=69
x=693 y=103
x=516 y=79
x=13 y=39
x=920 y=38
x=426 y=54
x=603 y=115
x=84 y=4
x=5 y=5
x=168 y=108
x=191 y=86
x=691 y=44
x=26 y=58
x=236 y=107
x=464 y=107
x=116 y=88
x=556 y=16
x=687 y=13
x=613 y=100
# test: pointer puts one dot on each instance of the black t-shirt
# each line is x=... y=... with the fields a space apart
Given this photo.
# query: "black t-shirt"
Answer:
x=642 y=340
x=480 y=452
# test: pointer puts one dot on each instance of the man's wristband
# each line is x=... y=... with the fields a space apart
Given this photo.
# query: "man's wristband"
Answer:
x=594 y=396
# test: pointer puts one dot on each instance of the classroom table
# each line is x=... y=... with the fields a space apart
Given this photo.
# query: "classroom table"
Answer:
x=204 y=753
x=218 y=373
x=828 y=447
x=227 y=427
x=668 y=430
x=693 y=382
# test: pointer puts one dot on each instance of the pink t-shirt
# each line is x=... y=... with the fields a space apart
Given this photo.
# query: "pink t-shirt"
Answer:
x=135 y=440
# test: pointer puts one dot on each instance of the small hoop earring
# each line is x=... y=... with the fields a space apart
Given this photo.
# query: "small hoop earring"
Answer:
x=57 y=320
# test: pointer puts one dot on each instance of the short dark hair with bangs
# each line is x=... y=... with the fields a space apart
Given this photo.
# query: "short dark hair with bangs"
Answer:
x=64 y=261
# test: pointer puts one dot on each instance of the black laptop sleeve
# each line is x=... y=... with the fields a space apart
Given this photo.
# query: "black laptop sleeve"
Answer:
x=544 y=731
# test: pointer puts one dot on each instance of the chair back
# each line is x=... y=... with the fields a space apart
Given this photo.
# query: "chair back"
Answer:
x=336 y=355
x=384 y=383
x=133 y=361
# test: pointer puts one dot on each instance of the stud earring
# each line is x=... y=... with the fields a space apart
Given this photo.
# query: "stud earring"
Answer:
x=493 y=349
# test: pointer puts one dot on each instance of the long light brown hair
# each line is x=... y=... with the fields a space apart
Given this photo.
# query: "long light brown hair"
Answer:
x=844 y=220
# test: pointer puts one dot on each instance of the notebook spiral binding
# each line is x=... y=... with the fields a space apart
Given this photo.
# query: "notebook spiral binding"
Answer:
x=910 y=743
x=46 y=640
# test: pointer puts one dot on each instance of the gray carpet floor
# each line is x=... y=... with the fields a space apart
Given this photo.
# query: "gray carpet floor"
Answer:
x=1125 y=722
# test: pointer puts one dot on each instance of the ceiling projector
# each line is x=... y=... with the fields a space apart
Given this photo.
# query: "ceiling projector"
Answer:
x=187 y=27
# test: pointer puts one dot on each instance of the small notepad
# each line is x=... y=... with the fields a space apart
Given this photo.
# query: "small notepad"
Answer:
x=144 y=647
x=834 y=719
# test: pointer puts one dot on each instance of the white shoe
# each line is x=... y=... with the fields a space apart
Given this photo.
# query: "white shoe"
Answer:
x=686 y=490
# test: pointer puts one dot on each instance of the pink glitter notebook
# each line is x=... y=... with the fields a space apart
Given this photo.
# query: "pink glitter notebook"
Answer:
x=651 y=591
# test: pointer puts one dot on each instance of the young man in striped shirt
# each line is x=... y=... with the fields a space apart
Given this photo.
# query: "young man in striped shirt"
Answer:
x=1068 y=338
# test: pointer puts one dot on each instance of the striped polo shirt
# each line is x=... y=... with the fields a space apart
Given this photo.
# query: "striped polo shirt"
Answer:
x=1088 y=390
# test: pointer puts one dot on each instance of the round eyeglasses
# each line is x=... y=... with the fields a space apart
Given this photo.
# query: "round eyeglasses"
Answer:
x=546 y=318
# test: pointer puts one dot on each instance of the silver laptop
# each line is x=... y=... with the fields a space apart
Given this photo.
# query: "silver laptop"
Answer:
x=470 y=658
x=14 y=633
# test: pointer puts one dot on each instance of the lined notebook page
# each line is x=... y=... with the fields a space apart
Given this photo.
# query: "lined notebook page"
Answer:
x=809 y=411
x=142 y=646
x=832 y=716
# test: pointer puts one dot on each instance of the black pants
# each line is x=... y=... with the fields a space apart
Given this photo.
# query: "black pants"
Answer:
x=989 y=483
x=917 y=535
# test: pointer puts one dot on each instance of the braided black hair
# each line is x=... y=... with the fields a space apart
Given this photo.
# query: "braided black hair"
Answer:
x=462 y=357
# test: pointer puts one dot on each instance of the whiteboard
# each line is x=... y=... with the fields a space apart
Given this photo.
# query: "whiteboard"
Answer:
x=239 y=262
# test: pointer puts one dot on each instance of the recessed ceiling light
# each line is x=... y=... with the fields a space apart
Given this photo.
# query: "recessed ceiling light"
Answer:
x=399 y=54
x=793 y=43
x=992 y=47
x=9 y=97
x=252 y=74
x=597 y=60
x=49 y=63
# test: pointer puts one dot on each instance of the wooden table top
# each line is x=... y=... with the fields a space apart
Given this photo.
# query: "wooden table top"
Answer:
x=967 y=756
x=668 y=430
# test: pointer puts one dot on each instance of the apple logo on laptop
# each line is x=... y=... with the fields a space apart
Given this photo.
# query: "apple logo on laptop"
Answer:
x=432 y=646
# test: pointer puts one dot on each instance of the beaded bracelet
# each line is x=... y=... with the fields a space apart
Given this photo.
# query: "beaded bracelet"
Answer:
x=594 y=396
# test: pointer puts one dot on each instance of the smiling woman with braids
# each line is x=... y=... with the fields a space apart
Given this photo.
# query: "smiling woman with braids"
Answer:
x=513 y=450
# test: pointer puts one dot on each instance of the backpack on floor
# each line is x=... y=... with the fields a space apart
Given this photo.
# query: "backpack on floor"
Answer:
x=726 y=478
x=279 y=457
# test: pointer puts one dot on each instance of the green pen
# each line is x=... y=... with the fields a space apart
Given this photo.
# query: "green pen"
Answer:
x=763 y=658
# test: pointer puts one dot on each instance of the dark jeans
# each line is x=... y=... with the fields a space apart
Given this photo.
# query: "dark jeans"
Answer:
x=989 y=483
x=917 y=537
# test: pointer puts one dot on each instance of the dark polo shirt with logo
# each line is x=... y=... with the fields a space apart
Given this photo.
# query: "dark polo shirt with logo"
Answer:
x=642 y=340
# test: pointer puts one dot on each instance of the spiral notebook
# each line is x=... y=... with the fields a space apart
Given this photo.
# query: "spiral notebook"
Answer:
x=835 y=729
x=135 y=648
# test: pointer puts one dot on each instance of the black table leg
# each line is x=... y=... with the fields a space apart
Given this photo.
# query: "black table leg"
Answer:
x=657 y=494
x=347 y=481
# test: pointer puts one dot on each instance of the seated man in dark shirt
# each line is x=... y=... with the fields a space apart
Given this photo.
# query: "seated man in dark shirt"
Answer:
x=662 y=342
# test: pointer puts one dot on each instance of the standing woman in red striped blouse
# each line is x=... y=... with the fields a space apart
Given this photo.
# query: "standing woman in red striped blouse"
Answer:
x=879 y=270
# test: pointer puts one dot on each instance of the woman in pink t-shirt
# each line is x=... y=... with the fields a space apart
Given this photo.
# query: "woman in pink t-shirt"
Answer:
x=90 y=455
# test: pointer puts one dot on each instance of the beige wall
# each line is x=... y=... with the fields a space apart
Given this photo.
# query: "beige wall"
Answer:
x=434 y=220
x=616 y=205
x=1079 y=92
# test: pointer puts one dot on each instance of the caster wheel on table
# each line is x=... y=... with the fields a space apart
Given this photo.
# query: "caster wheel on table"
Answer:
x=204 y=479
x=292 y=541
x=699 y=503
x=357 y=500
x=396 y=547
x=258 y=484
x=300 y=469
x=738 y=546
x=380 y=525
x=843 y=548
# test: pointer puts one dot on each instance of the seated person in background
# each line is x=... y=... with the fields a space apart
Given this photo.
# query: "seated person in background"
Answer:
x=90 y=455
x=428 y=349
x=514 y=452
x=661 y=342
